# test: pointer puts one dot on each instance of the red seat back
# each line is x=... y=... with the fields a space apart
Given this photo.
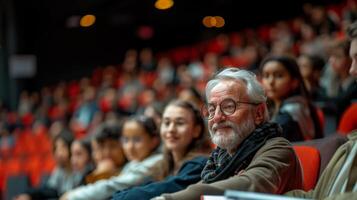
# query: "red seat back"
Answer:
x=348 y=121
x=310 y=162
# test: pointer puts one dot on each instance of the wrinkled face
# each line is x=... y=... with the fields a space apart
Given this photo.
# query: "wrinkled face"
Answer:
x=277 y=81
x=178 y=129
x=111 y=149
x=228 y=131
x=353 y=55
x=61 y=153
x=79 y=156
x=137 y=143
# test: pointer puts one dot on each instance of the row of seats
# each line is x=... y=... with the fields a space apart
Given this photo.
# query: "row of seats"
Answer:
x=30 y=156
x=314 y=156
x=32 y=166
x=16 y=175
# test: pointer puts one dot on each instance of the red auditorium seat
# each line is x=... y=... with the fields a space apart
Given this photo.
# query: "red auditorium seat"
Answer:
x=310 y=162
x=41 y=136
x=13 y=166
x=48 y=164
x=2 y=176
x=9 y=168
x=22 y=143
x=28 y=119
x=33 y=167
x=348 y=121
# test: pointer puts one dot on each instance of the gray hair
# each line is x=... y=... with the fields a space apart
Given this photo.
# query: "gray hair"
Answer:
x=254 y=89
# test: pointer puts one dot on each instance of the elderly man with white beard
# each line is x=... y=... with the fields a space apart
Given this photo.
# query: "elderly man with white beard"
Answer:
x=250 y=155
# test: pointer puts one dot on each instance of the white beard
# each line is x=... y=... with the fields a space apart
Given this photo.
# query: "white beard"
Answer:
x=232 y=139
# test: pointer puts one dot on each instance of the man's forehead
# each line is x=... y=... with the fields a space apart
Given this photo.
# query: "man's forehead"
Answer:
x=235 y=88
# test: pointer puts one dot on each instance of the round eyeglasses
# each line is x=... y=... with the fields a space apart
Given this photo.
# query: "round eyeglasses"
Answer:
x=227 y=107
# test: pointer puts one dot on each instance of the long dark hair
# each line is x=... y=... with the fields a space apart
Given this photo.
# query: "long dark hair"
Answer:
x=292 y=67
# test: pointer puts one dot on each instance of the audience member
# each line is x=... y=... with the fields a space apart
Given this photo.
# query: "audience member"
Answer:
x=310 y=69
x=250 y=153
x=140 y=140
x=339 y=178
x=341 y=88
x=186 y=148
x=84 y=114
x=81 y=158
x=107 y=153
x=290 y=105
x=62 y=178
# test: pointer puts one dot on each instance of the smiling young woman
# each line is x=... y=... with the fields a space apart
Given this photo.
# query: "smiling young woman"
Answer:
x=186 y=148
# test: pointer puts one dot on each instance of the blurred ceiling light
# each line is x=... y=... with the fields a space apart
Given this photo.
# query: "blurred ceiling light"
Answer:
x=219 y=21
x=164 y=4
x=207 y=21
x=87 y=20
x=211 y=22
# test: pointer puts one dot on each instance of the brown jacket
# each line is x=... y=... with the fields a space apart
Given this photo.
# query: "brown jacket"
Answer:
x=329 y=175
x=274 y=169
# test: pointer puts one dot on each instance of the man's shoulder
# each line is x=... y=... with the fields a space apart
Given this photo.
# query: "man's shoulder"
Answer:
x=281 y=141
x=278 y=145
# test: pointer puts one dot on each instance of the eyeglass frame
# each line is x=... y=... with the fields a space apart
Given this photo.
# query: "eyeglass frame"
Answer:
x=236 y=104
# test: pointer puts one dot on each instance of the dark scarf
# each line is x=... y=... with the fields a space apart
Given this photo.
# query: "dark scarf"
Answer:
x=221 y=165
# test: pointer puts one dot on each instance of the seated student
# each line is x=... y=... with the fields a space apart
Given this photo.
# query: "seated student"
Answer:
x=186 y=147
x=140 y=140
x=311 y=67
x=107 y=153
x=290 y=105
x=339 y=179
x=62 y=178
x=81 y=158
x=341 y=89
x=251 y=155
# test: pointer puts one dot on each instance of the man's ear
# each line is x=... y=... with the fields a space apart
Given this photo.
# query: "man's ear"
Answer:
x=259 y=114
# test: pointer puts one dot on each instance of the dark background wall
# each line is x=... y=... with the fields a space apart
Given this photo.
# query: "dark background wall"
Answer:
x=40 y=27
